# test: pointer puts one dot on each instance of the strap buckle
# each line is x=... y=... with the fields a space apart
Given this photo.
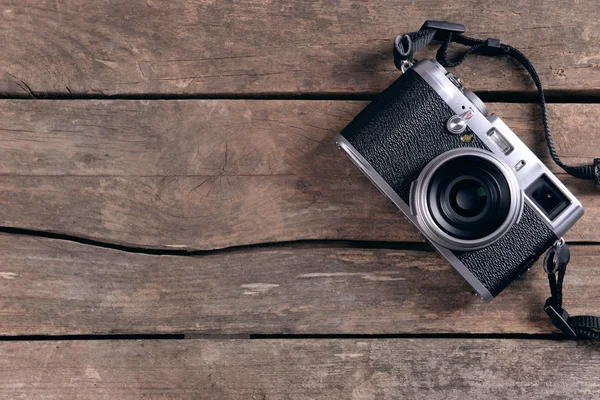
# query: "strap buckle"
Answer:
x=442 y=28
x=560 y=318
x=492 y=46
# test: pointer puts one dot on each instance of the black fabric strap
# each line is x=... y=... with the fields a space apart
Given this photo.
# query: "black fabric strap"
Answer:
x=406 y=45
x=576 y=327
x=557 y=258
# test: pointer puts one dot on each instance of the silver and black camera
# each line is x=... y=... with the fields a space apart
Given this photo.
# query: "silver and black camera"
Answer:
x=462 y=177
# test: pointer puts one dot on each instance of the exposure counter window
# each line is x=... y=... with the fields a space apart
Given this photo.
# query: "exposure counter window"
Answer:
x=500 y=141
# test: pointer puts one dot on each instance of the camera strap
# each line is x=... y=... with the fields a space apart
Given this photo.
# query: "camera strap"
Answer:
x=557 y=258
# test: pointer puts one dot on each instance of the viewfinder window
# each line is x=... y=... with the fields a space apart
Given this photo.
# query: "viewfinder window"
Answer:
x=547 y=197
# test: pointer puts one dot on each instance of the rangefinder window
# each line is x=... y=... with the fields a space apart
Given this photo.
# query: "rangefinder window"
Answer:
x=547 y=197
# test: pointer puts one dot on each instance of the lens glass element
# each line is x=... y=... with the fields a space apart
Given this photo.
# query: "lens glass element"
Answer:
x=468 y=197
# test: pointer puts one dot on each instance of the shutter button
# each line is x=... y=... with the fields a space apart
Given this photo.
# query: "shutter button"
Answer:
x=458 y=123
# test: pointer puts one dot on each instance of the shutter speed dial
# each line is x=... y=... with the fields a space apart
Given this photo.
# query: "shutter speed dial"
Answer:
x=476 y=102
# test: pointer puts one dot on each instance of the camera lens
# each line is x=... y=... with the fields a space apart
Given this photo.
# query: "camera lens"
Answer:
x=468 y=197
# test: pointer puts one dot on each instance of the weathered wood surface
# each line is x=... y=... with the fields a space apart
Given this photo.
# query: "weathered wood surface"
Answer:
x=212 y=174
x=54 y=287
x=301 y=369
x=255 y=46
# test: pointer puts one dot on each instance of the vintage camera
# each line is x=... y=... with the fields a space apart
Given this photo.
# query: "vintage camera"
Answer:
x=462 y=177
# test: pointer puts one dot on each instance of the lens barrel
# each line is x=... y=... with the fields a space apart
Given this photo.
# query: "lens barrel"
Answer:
x=466 y=199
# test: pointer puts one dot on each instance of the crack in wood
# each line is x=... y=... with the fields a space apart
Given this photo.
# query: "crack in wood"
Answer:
x=416 y=246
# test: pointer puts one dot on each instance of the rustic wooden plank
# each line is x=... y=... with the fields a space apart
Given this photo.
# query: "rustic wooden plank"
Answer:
x=54 y=287
x=211 y=174
x=256 y=46
x=449 y=369
x=226 y=137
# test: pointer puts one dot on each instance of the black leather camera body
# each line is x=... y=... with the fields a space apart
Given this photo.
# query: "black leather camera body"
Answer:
x=482 y=199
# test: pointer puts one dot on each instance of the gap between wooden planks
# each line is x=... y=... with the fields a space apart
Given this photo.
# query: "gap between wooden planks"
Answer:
x=54 y=287
x=218 y=173
x=283 y=47
x=300 y=369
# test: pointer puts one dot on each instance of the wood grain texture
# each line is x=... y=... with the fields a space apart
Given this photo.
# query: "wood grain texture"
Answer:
x=301 y=369
x=53 y=287
x=213 y=174
x=254 y=46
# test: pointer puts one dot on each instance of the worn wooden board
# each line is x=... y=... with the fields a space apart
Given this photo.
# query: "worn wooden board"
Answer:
x=301 y=369
x=255 y=46
x=54 y=287
x=212 y=174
